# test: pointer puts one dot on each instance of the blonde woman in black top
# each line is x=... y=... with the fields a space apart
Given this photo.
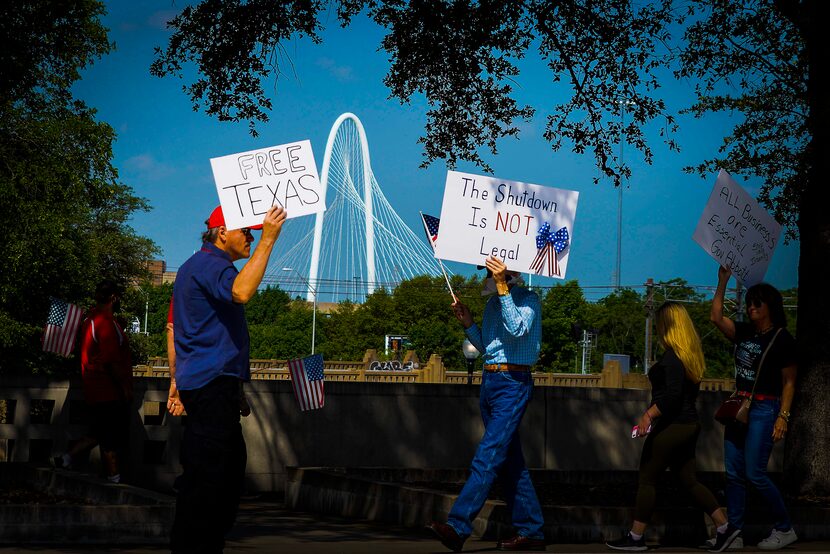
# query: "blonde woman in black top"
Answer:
x=672 y=418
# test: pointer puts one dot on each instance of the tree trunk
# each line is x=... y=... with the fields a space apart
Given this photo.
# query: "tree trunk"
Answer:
x=807 y=452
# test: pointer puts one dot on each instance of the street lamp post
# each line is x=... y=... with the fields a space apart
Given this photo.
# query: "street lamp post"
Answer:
x=314 y=309
x=618 y=268
x=470 y=353
x=146 y=306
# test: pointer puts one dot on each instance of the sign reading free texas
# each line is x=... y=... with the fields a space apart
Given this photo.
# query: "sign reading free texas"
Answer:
x=528 y=226
x=737 y=232
x=249 y=183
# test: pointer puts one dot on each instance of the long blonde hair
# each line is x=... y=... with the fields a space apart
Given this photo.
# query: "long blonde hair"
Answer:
x=676 y=331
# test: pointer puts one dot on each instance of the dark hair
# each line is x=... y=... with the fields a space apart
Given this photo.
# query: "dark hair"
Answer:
x=105 y=289
x=770 y=296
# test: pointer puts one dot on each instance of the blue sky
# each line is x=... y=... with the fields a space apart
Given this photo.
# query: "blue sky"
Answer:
x=163 y=150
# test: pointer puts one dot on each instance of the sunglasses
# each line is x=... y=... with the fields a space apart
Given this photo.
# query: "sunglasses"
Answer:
x=755 y=303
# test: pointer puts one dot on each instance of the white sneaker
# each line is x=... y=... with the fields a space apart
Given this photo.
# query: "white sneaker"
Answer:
x=737 y=544
x=778 y=539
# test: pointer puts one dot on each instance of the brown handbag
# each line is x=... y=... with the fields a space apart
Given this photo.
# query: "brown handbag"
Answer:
x=736 y=408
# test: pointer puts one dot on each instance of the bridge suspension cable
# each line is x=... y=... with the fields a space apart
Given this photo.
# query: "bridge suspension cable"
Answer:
x=359 y=243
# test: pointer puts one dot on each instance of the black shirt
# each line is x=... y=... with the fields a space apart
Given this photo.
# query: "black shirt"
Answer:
x=673 y=393
x=749 y=346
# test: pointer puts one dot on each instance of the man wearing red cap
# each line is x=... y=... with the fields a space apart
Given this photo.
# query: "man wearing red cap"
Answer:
x=212 y=361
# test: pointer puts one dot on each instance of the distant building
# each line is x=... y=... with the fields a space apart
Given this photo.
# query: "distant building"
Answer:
x=325 y=307
x=159 y=274
x=156 y=269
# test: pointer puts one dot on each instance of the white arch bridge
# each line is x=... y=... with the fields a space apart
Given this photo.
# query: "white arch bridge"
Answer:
x=359 y=243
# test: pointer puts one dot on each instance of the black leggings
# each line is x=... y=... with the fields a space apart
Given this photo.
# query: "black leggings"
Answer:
x=672 y=447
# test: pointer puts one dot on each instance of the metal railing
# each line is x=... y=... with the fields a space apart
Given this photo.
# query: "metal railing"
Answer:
x=434 y=371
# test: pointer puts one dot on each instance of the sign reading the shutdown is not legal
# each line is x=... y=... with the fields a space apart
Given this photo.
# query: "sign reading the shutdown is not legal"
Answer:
x=529 y=227
x=737 y=232
x=249 y=183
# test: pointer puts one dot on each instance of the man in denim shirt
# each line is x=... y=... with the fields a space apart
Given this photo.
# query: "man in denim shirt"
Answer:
x=509 y=337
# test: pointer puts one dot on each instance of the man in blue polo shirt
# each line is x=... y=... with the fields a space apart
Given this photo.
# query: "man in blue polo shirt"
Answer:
x=212 y=362
x=509 y=337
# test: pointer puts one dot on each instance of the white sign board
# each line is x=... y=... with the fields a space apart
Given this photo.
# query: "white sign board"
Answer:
x=249 y=183
x=737 y=232
x=528 y=226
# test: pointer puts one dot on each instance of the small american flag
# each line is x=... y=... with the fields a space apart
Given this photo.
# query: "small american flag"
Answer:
x=307 y=379
x=431 y=226
x=61 y=328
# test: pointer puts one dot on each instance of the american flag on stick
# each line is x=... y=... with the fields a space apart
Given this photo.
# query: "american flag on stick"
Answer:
x=61 y=328
x=431 y=227
x=307 y=380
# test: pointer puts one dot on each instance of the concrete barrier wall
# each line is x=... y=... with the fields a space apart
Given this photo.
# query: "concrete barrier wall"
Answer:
x=361 y=425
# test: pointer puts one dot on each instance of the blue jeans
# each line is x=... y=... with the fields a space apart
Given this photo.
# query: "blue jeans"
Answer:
x=504 y=398
x=746 y=452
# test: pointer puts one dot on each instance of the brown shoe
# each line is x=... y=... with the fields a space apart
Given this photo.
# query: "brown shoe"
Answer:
x=446 y=535
x=520 y=543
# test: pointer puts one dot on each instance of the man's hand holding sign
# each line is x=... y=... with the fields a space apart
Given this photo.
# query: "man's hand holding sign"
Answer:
x=250 y=183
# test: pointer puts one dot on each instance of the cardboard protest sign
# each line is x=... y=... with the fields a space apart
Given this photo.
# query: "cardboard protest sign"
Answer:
x=737 y=232
x=528 y=226
x=249 y=183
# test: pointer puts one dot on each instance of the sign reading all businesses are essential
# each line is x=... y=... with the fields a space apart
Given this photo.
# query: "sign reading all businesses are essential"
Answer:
x=529 y=227
x=249 y=183
x=737 y=232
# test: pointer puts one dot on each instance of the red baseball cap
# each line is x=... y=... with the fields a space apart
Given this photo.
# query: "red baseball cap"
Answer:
x=217 y=219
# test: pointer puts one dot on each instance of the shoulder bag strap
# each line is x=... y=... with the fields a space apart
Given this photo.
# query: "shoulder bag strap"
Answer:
x=761 y=363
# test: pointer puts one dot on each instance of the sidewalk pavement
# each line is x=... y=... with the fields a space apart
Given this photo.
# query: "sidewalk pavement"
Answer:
x=266 y=526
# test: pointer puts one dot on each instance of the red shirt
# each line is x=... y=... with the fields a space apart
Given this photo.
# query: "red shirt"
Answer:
x=106 y=364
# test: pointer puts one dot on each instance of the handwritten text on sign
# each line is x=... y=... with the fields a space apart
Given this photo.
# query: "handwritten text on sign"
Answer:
x=249 y=183
x=528 y=226
x=737 y=232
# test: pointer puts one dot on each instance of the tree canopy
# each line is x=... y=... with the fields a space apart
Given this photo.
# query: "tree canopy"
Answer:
x=605 y=55
x=67 y=213
x=763 y=60
x=419 y=308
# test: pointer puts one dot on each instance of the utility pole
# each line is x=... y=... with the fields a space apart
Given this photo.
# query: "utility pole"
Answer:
x=618 y=265
x=587 y=344
x=649 y=318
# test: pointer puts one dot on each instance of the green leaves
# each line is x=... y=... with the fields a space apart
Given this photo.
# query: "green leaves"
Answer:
x=280 y=328
x=759 y=70
x=608 y=60
x=45 y=45
x=235 y=45
x=58 y=188
x=461 y=57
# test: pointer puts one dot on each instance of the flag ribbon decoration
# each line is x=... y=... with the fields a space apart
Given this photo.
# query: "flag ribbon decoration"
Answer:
x=549 y=245
x=307 y=380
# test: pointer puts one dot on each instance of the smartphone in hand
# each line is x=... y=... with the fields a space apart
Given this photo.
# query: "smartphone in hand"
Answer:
x=635 y=430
